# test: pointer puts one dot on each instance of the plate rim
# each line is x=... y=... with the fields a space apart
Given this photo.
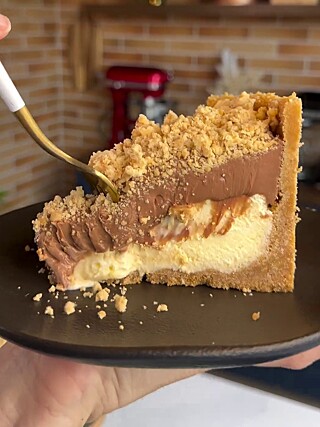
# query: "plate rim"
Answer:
x=181 y=356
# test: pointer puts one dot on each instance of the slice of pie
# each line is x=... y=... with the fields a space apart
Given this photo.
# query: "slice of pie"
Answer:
x=206 y=199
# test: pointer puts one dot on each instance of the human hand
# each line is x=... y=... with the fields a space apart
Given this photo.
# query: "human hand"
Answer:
x=5 y=26
x=299 y=361
x=39 y=390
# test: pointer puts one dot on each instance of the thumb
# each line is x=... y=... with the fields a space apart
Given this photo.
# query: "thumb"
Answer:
x=5 y=26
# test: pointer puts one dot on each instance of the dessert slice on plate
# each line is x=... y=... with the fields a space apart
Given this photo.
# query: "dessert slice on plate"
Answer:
x=205 y=199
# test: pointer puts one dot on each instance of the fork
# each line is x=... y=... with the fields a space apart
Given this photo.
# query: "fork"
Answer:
x=15 y=103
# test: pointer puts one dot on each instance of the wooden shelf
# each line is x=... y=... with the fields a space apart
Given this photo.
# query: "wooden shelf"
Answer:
x=94 y=12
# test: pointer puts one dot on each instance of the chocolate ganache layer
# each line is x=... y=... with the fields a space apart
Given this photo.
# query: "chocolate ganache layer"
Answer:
x=64 y=242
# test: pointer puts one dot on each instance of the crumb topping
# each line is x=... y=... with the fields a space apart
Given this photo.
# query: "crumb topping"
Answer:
x=227 y=127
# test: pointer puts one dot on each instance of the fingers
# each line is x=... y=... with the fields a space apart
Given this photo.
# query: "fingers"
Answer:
x=299 y=361
x=121 y=386
x=5 y=26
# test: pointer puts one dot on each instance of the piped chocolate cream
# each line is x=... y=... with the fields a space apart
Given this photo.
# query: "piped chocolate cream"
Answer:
x=163 y=171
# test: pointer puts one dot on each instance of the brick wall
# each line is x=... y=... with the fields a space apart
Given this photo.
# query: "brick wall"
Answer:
x=32 y=56
x=285 y=51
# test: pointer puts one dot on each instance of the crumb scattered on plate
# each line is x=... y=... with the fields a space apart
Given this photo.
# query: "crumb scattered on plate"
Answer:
x=121 y=327
x=120 y=303
x=102 y=314
x=49 y=311
x=37 y=297
x=69 y=307
x=144 y=307
x=103 y=295
x=27 y=248
x=52 y=289
x=162 y=307
x=87 y=294
x=96 y=288
x=256 y=315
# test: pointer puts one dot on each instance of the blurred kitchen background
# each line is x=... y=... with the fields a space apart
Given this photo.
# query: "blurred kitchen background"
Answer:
x=59 y=52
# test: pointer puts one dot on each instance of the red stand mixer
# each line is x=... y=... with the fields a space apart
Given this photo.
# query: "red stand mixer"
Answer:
x=135 y=90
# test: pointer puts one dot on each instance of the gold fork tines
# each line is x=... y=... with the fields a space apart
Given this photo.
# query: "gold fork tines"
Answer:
x=95 y=178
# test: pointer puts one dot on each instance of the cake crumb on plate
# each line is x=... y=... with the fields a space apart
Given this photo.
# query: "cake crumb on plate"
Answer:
x=49 y=311
x=102 y=314
x=96 y=288
x=103 y=295
x=87 y=294
x=162 y=307
x=120 y=303
x=256 y=315
x=37 y=297
x=69 y=307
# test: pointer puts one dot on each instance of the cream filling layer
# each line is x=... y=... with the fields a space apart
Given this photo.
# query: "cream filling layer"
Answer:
x=244 y=243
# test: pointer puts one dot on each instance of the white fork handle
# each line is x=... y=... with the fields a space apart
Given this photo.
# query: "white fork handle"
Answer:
x=9 y=92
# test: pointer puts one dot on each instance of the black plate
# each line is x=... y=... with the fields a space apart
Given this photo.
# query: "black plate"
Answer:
x=220 y=333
